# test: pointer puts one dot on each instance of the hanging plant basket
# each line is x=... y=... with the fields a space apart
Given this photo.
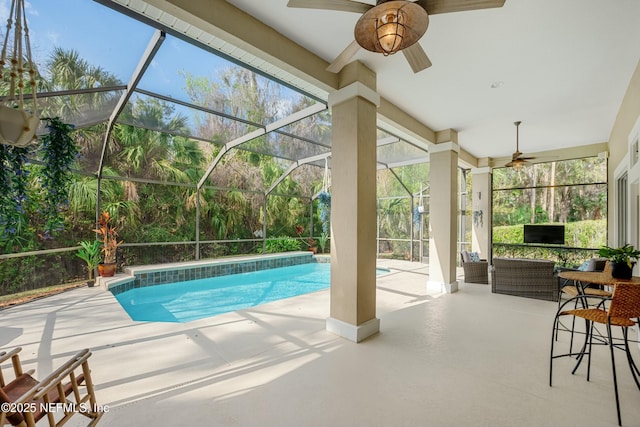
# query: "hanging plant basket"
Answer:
x=324 y=207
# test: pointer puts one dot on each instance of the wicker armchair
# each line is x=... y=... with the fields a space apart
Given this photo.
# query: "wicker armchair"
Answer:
x=474 y=271
x=528 y=278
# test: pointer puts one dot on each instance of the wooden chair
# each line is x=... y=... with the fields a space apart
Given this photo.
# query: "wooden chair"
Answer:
x=26 y=400
x=623 y=311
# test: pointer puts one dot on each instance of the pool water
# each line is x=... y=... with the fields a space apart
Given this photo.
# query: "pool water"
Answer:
x=197 y=299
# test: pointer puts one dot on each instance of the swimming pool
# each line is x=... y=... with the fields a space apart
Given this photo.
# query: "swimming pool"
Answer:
x=197 y=299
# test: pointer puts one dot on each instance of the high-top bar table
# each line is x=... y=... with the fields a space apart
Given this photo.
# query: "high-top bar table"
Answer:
x=595 y=277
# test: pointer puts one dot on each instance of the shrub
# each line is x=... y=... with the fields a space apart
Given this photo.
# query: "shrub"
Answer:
x=282 y=244
x=582 y=234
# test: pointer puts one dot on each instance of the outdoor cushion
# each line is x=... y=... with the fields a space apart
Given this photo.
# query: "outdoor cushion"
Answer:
x=470 y=256
x=596 y=264
x=584 y=266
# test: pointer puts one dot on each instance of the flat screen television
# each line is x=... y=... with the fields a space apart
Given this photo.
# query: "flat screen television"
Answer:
x=549 y=234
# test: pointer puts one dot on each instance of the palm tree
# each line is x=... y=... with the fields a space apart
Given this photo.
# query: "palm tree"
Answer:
x=66 y=70
x=147 y=147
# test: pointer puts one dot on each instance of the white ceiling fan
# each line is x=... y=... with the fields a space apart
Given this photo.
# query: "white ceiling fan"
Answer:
x=517 y=160
x=392 y=25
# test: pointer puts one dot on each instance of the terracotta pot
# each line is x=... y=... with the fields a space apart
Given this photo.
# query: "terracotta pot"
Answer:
x=107 y=270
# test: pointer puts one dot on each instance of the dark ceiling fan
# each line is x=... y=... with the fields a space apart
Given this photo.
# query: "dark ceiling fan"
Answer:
x=517 y=160
x=392 y=25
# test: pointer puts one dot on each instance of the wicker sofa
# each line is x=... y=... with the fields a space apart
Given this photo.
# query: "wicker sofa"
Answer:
x=530 y=278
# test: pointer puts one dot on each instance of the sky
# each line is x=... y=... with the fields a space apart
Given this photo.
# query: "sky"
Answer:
x=115 y=42
x=68 y=24
x=111 y=40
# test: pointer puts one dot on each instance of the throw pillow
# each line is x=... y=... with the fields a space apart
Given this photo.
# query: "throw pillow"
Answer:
x=584 y=266
x=475 y=256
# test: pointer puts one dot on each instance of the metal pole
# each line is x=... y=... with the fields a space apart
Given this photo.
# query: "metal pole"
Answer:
x=264 y=225
x=411 y=230
x=311 y=217
x=197 y=224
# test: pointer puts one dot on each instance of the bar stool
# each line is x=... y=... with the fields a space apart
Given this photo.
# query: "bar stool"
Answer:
x=623 y=311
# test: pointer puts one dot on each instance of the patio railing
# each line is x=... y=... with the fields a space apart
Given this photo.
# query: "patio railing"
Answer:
x=565 y=256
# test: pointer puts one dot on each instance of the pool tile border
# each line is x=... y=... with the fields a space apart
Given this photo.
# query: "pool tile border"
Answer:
x=151 y=275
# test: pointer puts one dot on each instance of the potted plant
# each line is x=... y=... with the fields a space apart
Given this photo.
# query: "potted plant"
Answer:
x=311 y=243
x=109 y=239
x=622 y=260
x=89 y=252
x=322 y=241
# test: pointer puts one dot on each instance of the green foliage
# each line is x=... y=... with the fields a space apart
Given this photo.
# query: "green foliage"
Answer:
x=586 y=236
x=32 y=198
x=626 y=254
x=570 y=192
x=322 y=241
x=562 y=256
x=583 y=234
x=562 y=192
x=13 y=194
x=90 y=254
x=324 y=208
x=59 y=151
x=282 y=244
x=395 y=217
x=508 y=234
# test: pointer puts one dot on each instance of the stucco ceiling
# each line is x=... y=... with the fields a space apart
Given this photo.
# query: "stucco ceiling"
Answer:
x=559 y=66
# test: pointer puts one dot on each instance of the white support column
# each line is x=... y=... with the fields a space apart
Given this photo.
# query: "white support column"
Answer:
x=443 y=216
x=481 y=213
x=353 y=207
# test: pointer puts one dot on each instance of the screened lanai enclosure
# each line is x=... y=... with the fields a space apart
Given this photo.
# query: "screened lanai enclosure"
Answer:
x=194 y=154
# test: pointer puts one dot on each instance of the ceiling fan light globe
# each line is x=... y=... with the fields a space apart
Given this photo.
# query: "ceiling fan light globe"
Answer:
x=390 y=30
x=391 y=26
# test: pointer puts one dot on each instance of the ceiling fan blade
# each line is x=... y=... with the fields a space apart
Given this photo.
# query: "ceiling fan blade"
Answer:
x=341 y=5
x=344 y=57
x=416 y=57
x=434 y=7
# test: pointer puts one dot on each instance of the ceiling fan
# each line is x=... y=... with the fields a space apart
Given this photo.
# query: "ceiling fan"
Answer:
x=517 y=161
x=392 y=25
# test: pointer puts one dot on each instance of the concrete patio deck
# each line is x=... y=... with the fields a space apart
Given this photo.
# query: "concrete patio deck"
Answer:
x=472 y=358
